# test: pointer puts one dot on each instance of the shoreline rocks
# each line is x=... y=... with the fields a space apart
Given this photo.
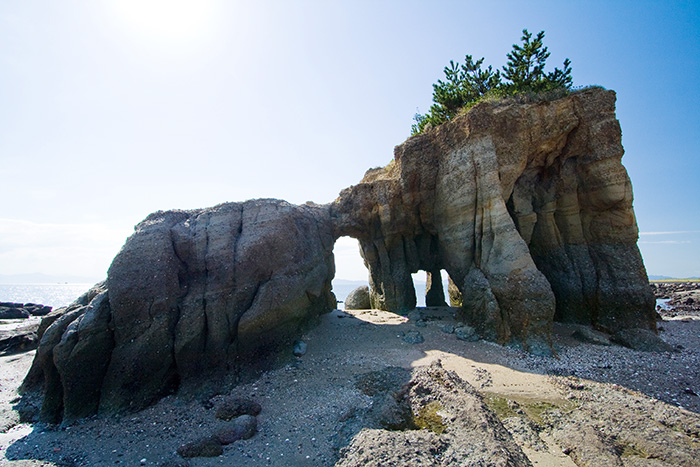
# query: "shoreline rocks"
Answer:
x=23 y=334
x=10 y=310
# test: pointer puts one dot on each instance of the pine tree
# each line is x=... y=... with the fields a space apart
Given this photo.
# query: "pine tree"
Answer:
x=466 y=84
x=525 y=68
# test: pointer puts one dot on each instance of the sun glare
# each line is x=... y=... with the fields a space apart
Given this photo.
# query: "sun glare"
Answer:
x=169 y=21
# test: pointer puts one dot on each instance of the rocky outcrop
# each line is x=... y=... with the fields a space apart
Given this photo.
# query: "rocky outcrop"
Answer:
x=436 y=419
x=526 y=206
x=10 y=310
x=192 y=294
x=20 y=336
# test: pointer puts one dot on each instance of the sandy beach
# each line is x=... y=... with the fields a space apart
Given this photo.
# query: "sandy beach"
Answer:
x=642 y=403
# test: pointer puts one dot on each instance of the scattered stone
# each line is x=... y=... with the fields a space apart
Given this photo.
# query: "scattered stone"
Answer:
x=358 y=299
x=466 y=333
x=204 y=447
x=233 y=407
x=243 y=427
x=413 y=337
x=642 y=340
x=421 y=323
x=448 y=328
x=415 y=315
x=299 y=349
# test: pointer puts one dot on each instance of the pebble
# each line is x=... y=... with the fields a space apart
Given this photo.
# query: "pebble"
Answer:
x=299 y=348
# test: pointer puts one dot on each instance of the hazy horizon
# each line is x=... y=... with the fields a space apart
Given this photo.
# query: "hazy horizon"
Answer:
x=116 y=109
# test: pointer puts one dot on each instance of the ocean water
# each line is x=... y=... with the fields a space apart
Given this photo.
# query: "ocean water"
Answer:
x=53 y=295
x=342 y=288
x=58 y=295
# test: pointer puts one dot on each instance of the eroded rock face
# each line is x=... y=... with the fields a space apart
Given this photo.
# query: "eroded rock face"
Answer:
x=526 y=206
x=191 y=294
x=445 y=422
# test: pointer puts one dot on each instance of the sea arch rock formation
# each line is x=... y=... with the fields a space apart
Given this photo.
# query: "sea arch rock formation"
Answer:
x=526 y=206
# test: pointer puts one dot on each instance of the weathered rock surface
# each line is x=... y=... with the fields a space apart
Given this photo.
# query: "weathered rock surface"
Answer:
x=642 y=340
x=20 y=339
x=526 y=206
x=190 y=295
x=447 y=424
x=358 y=299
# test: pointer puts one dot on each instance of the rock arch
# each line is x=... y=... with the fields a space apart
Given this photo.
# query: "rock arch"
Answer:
x=525 y=205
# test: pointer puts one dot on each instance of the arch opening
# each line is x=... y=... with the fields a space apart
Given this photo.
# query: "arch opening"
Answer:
x=350 y=269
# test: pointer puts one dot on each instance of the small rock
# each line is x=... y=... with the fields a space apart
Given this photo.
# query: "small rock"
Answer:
x=415 y=315
x=243 y=427
x=204 y=447
x=466 y=333
x=448 y=329
x=233 y=407
x=413 y=337
x=421 y=323
x=299 y=348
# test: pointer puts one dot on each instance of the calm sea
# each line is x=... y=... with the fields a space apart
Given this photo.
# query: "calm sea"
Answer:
x=58 y=295
x=54 y=295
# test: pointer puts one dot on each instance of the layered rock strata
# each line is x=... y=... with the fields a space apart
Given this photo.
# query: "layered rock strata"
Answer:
x=525 y=205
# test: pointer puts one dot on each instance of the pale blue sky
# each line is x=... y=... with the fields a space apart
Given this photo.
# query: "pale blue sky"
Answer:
x=110 y=110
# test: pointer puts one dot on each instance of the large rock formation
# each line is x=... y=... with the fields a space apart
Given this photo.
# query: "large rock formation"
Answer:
x=525 y=205
x=191 y=294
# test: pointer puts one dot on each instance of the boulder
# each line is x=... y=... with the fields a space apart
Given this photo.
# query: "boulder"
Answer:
x=232 y=407
x=358 y=299
x=642 y=340
x=192 y=297
x=242 y=427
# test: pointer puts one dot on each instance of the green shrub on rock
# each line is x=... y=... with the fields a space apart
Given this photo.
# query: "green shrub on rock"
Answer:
x=467 y=84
